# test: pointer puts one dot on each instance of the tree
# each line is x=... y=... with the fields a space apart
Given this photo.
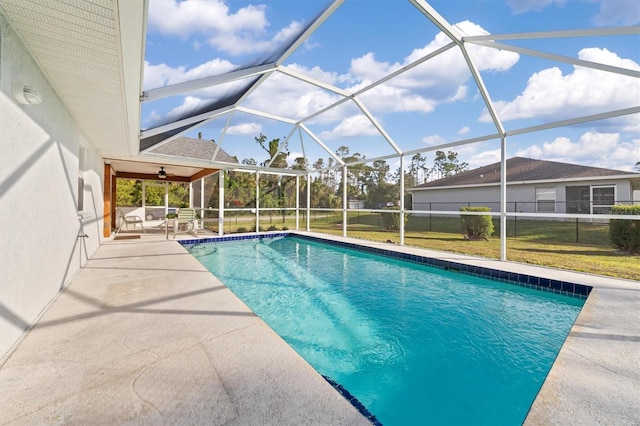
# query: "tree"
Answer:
x=277 y=152
x=342 y=151
x=637 y=166
x=418 y=171
x=300 y=163
x=447 y=165
x=128 y=193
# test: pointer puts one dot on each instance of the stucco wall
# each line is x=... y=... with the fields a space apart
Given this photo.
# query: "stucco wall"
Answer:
x=39 y=169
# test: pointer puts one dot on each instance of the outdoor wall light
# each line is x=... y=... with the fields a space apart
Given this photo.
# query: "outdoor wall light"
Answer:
x=162 y=174
x=26 y=95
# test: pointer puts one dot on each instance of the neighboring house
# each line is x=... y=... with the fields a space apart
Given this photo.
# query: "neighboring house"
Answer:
x=356 y=204
x=201 y=149
x=533 y=186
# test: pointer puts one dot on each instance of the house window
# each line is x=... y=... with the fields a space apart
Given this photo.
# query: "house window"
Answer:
x=603 y=198
x=578 y=199
x=546 y=199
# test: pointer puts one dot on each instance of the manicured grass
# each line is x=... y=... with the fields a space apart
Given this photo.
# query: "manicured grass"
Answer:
x=582 y=247
x=545 y=243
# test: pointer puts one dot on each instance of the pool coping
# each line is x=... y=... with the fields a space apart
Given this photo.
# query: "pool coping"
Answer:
x=596 y=375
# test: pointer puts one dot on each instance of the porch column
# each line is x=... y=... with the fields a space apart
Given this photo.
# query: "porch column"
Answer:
x=402 y=200
x=345 y=201
x=257 y=201
x=220 y=202
x=308 y=202
x=297 y=202
x=503 y=198
x=202 y=207
x=107 y=201
x=144 y=198
x=166 y=199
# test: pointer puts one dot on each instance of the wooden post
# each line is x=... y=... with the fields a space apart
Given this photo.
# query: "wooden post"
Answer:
x=107 y=193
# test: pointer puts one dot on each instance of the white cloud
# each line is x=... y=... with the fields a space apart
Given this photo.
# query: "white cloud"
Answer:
x=522 y=6
x=433 y=140
x=590 y=145
x=355 y=125
x=238 y=43
x=463 y=131
x=291 y=158
x=611 y=12
x=483 y=158
x=592 y=148
x=621 y=12
x=440 y=80
x=245 y=129
x=292 y=98
x=236 y=32
x=189 y=104
x=551 y=95
x=186 y=18
x=163 y=75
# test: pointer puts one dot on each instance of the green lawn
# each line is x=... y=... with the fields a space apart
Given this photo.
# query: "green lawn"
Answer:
x=582 y=247
x=546 y=243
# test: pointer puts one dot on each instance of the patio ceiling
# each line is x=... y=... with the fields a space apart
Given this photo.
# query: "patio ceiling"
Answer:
x=149 y=171
x=92 y=53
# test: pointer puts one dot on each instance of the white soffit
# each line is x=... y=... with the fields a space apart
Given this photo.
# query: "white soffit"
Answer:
x=78 y=45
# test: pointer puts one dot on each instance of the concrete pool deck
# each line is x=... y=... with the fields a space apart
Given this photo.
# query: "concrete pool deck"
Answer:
x=144 y=334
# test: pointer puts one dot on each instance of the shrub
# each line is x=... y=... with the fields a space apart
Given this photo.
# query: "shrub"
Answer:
x=391 y=221
x=476 y=227
x=625 y=234
x=241 y=230
x=272 y=228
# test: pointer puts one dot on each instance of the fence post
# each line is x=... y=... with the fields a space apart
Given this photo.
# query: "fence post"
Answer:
x=577 y=232
x=515 y=220
x=429 y=217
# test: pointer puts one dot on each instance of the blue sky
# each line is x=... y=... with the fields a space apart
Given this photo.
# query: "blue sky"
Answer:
x=435 y=103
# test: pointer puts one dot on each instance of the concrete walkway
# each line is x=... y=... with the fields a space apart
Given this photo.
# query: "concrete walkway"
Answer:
x=145 y=335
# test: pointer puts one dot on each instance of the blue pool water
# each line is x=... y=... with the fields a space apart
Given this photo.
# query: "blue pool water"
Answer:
x=414 y=344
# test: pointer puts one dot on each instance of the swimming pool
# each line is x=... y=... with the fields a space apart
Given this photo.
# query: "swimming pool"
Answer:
x=413 y=343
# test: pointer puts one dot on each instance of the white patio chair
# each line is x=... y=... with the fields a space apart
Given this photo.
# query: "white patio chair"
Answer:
x=125 y=220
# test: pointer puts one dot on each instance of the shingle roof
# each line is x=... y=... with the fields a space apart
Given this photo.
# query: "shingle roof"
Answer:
x=521 y=169
x=193 y=148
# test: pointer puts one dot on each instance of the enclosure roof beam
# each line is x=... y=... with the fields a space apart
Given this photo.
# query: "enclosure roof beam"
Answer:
x=185 y=122
x=377 y=125
x=405 y=68
x=589 y=32
x=265 y=115
x=574 y=121
x=319 y=142
x=449 y=30
x=482 y=89
x=203 y=83
x=308 y=79
x=307 y=33
x=452 y=144
x=559 y=58
x=222 y=135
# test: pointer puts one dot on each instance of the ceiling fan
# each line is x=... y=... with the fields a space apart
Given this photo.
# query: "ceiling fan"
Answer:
x=162 y=174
